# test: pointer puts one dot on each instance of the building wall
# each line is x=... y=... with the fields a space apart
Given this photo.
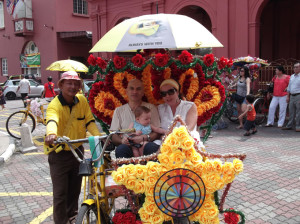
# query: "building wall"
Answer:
x=57 y=14
x=235 y=23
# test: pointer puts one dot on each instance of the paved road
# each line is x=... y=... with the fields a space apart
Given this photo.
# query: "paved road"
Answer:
x=267 y=192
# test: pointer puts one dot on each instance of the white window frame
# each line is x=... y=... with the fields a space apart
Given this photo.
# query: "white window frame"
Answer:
x=4 y=67
x=2 y=24
x=80 y=7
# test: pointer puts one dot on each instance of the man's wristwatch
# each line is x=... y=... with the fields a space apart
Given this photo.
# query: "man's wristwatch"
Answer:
x=148 y=138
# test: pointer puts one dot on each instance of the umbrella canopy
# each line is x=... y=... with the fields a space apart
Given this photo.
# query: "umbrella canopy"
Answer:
x=156 y=31
x=251 y=61
x=67 y=65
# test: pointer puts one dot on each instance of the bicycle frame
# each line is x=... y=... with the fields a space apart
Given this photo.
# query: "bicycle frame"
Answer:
x=94 y=191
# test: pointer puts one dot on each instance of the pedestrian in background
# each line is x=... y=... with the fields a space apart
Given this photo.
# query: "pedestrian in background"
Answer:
x=280 y=83
x=251 y=114
x=48 y=92
x=2 y=100
x=242 y=90
x=24 y=87
x=293 y=98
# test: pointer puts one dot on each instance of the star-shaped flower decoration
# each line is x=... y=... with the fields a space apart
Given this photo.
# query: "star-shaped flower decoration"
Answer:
x=178 y=152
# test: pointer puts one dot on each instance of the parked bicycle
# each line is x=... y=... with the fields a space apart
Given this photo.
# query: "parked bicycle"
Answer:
x=26 y=116
x=231 y=108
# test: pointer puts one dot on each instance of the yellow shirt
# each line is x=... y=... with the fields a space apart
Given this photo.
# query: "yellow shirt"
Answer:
x=59 y=113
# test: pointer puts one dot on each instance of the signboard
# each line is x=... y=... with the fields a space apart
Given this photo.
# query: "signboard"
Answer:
x=30 y=60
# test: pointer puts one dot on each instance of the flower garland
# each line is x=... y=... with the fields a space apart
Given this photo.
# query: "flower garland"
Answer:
x=178 y=151
x=191 y=72
x=118 y=82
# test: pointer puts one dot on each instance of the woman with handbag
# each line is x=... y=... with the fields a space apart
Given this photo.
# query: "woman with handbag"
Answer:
x=242 y=90
x=280 y=83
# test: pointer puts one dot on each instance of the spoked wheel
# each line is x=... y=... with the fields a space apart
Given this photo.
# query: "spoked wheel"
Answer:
x=261 y=111
x=15 y=121
x=231 y=111
x=88 y=215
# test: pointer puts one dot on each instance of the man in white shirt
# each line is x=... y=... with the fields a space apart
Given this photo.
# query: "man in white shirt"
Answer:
x=24 y=87
x=293 y=98
x=124 y=115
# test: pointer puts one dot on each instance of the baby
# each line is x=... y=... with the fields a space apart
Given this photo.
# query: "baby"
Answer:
x=143 y=127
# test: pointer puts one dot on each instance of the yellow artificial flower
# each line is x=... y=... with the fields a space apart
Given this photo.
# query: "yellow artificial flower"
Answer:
x=157 y=218
x=166 y=149
x=130 y=182
x=118 y=177
x=178 y=157
x=238 y=166
x=140 y=171
x=139 y=187
x=144 y=215
x=164 y=159
x=150 y=208
x=228 y=168
x=153 y=168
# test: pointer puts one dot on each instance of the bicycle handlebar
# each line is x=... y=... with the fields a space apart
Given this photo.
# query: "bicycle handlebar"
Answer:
x=69 y=142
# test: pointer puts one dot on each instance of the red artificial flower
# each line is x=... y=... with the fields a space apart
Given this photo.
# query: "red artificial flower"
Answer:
x=206 y=96
x=138 y=222
x=129 y=216
x=185 y=57
x=222 y=63
x=231 y=218
x=138 y=60
x=161 y=59
x=117 y=218
x=101 y=63
x=208 y=59
x=229 y=63
x=119 y=62
x=126 y=218
x=92 y=60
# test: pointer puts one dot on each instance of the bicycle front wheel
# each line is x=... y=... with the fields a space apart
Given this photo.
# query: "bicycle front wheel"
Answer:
x=261 y=111
x=231 y=111
x=88 y=215
x=15 y=121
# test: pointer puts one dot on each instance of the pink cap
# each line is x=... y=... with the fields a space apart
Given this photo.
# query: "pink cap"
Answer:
x=69 y=75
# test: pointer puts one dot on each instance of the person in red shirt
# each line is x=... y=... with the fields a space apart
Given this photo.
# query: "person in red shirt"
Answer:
x=49 y=93
x=281 y=82
x=251 y=114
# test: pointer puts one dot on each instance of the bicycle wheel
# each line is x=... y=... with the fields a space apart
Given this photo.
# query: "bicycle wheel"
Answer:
x=88 y=215
x=15 y=121
x=261 y=111
x=231 y=111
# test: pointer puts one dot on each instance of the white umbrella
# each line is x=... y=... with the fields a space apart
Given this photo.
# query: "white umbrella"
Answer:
x=155 y=31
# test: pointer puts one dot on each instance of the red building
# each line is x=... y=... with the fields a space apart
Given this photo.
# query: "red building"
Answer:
x=37 y=33
x=269 y=29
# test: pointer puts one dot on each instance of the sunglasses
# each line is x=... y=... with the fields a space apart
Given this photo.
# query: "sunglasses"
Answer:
x=170 y=92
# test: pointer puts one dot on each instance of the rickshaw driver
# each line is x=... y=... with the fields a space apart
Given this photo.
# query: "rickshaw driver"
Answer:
x=69 y=115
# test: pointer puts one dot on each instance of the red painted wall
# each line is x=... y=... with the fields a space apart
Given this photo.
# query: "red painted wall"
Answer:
x=235 y=23
x=57 y=14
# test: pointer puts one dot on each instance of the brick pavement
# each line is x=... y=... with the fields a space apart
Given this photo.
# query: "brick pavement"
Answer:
x=267 y=192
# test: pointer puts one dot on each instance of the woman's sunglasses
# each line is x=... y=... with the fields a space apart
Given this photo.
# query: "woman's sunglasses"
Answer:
x=170 y=92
